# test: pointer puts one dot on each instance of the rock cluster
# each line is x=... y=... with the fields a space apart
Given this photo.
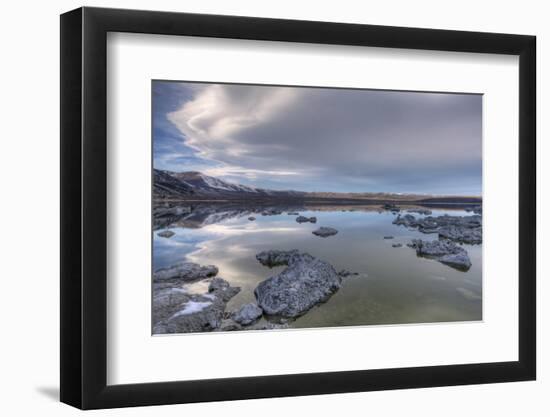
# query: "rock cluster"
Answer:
x=464 y=229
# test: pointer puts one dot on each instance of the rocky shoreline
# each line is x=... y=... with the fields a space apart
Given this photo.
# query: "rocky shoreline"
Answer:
x=305 y=281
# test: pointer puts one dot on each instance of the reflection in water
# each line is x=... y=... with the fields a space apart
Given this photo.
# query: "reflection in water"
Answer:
x=393 y=285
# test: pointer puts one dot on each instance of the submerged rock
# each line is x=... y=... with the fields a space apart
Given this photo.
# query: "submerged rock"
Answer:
x=344 y=273
x=176 y=311
x=185 y=272
x=306 y=281
x=166 y=234
x=247 y=314
x=444 y=251
x=303 y=219
x=325 y=231
x=388 y=237
x=293 y=213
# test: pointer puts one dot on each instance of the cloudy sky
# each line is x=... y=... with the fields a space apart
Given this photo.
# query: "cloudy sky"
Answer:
x=320 y=139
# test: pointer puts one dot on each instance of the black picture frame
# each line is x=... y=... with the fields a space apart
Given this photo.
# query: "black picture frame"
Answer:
x=84 y=207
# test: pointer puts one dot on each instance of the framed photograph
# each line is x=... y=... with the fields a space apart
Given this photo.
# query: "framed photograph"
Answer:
x=258 y=207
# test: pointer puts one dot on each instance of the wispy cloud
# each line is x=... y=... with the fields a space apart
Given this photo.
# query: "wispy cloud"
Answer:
x=333 y=139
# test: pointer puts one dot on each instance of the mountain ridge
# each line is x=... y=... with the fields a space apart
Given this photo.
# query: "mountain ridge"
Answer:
x=198 y=186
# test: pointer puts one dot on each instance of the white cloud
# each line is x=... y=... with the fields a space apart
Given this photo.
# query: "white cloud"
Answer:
x=355 y=137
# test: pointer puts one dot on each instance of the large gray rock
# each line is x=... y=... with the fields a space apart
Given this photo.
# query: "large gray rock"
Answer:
x=444 y=251
x=185 y=272
x=306 y=281
x=176 y=311
x=325 y=231
x=247 y=314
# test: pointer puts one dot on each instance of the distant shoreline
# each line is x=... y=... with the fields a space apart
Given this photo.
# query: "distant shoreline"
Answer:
x=456 y=201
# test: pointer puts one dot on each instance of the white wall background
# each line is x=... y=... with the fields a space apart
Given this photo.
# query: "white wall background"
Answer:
x=29 y=173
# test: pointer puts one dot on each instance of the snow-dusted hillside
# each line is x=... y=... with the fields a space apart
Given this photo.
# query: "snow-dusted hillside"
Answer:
x=184 y=184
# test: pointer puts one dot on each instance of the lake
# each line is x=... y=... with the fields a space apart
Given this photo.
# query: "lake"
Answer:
x=393 y=285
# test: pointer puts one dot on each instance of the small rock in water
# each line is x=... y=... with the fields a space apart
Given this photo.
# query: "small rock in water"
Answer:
x=248 y=314
x=274 y=257
x=166 y=233
x=293 y=213
x=396 y=245
x=388 y=237
x=303 y=219
x=252 y=218
x=325 y=231
x=185 y=271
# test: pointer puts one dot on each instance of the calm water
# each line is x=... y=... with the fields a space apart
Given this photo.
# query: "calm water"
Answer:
x=393 y=286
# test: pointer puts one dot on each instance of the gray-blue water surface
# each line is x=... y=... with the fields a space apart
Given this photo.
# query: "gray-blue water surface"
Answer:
x=394 y=285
